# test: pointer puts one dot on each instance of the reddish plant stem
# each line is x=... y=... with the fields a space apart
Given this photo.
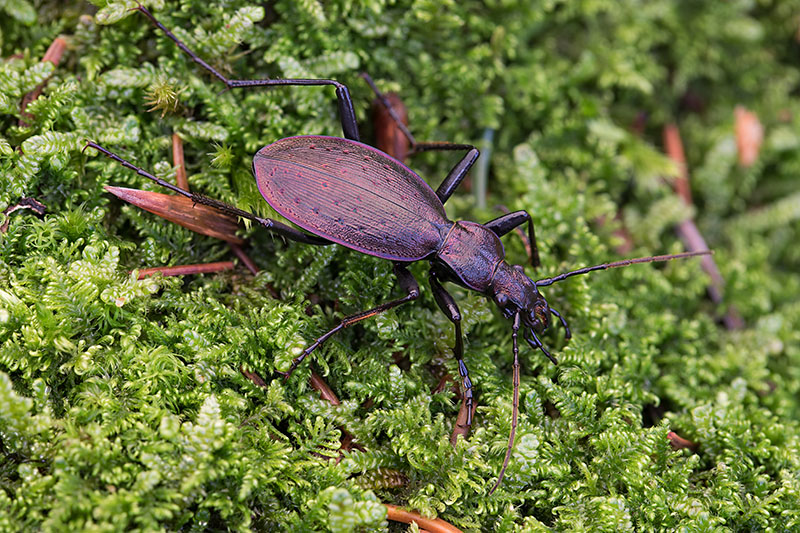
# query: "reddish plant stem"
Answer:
x=749 y=136
x=183 y=270
x=674 y=148
x=251 y=266
x=679 y=443
x=180 y=162
x=433 y=525
x=325 y=392
x=254 y=377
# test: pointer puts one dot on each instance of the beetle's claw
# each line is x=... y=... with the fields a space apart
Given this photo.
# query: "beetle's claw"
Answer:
x=286 y=375
x=90 y=144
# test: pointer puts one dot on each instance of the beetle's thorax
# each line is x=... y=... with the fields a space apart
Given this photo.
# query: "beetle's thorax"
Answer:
x=472 y=253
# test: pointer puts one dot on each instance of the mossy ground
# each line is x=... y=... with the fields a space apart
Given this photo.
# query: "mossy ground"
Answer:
x=122 y=402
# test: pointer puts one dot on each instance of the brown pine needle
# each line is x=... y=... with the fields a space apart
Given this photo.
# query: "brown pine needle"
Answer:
x=181 y=210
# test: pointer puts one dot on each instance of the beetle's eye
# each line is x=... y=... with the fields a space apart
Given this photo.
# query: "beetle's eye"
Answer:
x=501 y=299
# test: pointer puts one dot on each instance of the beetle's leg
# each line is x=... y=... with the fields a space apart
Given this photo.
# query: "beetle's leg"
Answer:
x=506 y=223
x=407 y=282
x=346 y=112
x=272 y=225
x=457 y=174
x=448 y=306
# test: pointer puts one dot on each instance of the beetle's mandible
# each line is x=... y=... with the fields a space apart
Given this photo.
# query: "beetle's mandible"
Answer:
x=345 y=192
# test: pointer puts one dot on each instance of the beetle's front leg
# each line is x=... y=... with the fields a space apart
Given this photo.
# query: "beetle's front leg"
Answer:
x=448 y=306
x=407 y=282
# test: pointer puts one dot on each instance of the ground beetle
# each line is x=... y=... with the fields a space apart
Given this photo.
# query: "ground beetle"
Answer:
x=345 y=192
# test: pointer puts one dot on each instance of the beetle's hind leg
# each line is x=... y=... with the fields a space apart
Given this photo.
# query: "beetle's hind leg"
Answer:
x=459 y=171
x=346 y=112
x=268 y=223
x=407 y=282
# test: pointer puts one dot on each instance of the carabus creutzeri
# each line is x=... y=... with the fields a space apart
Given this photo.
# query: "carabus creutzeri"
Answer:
x=342 y=191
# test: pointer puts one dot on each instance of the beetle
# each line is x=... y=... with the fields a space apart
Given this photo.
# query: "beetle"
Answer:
x=342 y=191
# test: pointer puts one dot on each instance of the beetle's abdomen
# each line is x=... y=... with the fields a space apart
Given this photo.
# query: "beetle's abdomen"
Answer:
x=473 y=252
x=351 y=194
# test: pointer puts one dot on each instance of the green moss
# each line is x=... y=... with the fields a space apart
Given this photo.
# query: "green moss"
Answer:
x=123 y=405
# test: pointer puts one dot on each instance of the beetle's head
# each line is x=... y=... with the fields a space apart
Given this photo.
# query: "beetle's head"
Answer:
x=514 y=292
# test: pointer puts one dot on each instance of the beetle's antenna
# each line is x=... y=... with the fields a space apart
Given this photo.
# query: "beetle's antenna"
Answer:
x=514 y=403
x=650 y=259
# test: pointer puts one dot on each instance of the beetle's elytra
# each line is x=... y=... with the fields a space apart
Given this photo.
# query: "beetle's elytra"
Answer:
x=351 y=194
x=345 y=192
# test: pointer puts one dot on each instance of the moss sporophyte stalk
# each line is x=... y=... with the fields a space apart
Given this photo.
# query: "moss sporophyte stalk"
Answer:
x=156 y=403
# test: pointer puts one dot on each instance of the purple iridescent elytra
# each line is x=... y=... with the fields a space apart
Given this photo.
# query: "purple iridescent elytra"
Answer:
x=361 y=198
